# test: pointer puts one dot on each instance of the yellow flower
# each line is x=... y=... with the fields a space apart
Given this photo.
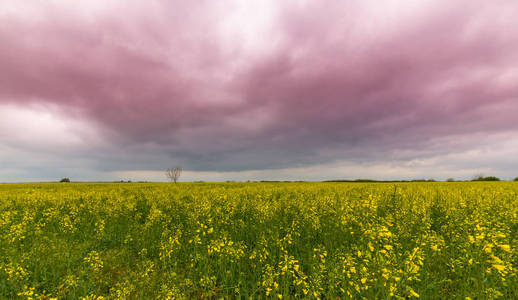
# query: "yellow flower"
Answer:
x=413 y=293
x=499 y=268
x=500 y=235
x=506 y=248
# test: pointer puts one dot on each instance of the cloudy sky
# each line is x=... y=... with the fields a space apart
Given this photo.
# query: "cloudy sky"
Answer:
x=237 y=90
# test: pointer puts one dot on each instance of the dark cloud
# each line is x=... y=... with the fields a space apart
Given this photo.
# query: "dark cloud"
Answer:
x=329 y=81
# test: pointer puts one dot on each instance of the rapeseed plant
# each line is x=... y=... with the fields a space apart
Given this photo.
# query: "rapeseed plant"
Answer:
x=276 y=240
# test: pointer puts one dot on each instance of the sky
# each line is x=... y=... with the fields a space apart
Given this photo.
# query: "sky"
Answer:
x=258 y=90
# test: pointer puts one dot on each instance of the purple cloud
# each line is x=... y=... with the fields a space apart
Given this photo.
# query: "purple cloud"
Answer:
x=229 y=87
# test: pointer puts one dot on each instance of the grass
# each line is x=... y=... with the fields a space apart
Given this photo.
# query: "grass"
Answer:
x=278 y=240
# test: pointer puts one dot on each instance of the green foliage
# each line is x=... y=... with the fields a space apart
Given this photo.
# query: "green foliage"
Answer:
x=488 y=178
x=259 y=240
x=65 y=180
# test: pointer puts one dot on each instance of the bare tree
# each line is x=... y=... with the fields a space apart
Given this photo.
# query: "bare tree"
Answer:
x=173 y=173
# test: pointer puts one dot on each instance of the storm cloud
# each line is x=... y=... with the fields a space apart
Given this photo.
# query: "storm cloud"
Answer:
x=282 y=90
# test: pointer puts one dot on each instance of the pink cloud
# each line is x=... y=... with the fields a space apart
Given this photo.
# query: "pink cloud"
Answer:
x=309 y=83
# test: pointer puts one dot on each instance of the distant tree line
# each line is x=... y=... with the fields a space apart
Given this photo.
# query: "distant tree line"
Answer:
x=477 y=177
x=486 y=178
x=374 y=180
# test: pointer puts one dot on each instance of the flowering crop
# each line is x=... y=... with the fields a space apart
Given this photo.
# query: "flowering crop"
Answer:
x=260 y=240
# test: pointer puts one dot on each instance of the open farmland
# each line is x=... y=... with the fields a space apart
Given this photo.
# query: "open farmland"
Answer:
x=279 y=240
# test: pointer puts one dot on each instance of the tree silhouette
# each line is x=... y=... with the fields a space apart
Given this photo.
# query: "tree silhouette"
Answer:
x=173 y=173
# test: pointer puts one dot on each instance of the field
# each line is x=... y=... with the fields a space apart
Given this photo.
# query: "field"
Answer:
x=259 y=240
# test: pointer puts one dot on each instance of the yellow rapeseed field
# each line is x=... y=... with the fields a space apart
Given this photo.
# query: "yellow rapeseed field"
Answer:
x=259 y=240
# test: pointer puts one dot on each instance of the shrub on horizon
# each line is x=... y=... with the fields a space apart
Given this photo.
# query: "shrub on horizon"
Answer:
x=488 y=178
x=65 y=180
